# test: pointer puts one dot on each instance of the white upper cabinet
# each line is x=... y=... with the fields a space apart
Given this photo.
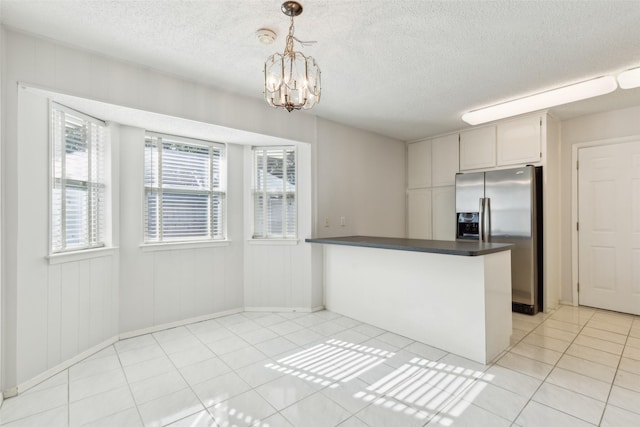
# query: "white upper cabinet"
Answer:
x=478 y=148
x=444 y=160
x=519 y=141
x=419 y=164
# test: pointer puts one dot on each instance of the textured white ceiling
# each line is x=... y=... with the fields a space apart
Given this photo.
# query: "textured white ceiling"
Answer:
x=406 y=69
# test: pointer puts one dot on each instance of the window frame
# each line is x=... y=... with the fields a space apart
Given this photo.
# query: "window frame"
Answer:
x=187 y=242
x=102 y=239
x=265 y=237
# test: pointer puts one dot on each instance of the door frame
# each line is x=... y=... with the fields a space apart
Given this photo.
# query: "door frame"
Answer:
x=574 y=203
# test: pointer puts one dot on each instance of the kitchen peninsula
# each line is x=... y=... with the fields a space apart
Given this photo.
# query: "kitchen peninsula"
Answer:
x=455 y=296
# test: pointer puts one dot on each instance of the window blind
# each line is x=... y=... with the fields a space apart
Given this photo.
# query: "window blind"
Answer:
x=185 y=189
x=274 y=193
x=78 y=187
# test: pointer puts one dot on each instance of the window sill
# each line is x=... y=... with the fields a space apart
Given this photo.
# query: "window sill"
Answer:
x=172 y=246
x=273 y=242
x=63 y=257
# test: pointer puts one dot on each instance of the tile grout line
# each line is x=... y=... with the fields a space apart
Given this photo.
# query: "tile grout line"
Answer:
x=135 y=404
x=448 y=401
x=352 y=414
x=491 y=364
x=302 y=347
x=68 y=397
x=189 y=385
x=615 y=375
x=555 y=365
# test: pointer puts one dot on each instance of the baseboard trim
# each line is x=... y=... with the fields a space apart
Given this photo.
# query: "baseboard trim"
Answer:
x=22 y=387
x=26 y=385
x=569 y=303
x=284 y=309
x=178 y=323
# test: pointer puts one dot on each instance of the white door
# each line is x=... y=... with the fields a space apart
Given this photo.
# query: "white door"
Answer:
x=609 y=227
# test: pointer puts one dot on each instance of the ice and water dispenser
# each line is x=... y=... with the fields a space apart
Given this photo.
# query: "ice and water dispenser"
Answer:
x=468 y=226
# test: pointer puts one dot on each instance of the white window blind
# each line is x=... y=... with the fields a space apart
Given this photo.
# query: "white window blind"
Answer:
x=185 y=189
x=274 y=193
x=78 y=188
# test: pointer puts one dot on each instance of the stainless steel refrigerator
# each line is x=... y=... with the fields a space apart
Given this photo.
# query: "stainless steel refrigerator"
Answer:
x=505 y=206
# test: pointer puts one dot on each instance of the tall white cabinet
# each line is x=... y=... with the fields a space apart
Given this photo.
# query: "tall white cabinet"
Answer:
x=432 y=164
x=431 y=169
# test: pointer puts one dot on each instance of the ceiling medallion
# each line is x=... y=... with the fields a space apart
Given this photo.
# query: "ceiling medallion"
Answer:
x=291 y=79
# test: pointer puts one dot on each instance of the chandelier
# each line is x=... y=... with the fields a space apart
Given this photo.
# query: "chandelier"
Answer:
x=291 y=79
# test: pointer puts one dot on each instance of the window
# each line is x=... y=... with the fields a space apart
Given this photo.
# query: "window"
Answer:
x=274 y=193
x=185 y=189
x=78 y=180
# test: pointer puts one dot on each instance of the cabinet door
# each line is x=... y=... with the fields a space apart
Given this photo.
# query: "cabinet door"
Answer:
x=443 y=204
x=419 y=214
x=419 y=164
x=519 y=141
x=444 y=160
x=478 y=148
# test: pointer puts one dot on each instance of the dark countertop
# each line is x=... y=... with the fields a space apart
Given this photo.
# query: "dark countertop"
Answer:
x=417 y=245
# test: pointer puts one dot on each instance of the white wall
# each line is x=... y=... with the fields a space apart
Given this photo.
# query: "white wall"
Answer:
x=551 y=215
x=160 y=286
x=1 y=204
x=61 y=309
x=35 y=293
x=360 y=176
x=278 y=275
x=595 y=127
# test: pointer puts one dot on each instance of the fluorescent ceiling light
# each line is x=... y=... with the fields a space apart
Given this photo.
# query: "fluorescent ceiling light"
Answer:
x=540 y=101
x=629 y=79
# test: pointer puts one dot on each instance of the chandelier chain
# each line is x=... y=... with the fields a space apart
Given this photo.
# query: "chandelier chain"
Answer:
x=289 y=45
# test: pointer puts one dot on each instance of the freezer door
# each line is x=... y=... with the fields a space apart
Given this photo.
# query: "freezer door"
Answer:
x=469 y=191
x=511 y=218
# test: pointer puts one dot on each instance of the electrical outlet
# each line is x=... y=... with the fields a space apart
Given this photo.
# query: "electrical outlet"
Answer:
x=326 y=221
x=343 y=221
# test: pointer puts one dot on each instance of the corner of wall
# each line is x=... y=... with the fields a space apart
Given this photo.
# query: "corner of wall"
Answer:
x=2 y=62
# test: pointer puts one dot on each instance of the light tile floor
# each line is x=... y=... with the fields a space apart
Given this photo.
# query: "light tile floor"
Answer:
x=573 y=367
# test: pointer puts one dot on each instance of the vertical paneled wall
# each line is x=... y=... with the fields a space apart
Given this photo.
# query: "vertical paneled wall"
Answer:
x=52 y=312
x=64 y=306
x=47 y=313
x=81 y=307
x=279 y=275
x=161 y=285
x=1 y=202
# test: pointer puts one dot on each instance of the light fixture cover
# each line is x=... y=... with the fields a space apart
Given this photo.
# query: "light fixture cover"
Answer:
x=629 y=79
x=540 y=101
x=291 y=79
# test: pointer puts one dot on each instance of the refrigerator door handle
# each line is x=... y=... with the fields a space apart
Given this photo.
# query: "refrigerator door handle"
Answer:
x=486 y=227
x=481 y=220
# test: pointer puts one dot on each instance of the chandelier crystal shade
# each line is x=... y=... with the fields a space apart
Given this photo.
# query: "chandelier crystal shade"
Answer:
x=291 y=79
